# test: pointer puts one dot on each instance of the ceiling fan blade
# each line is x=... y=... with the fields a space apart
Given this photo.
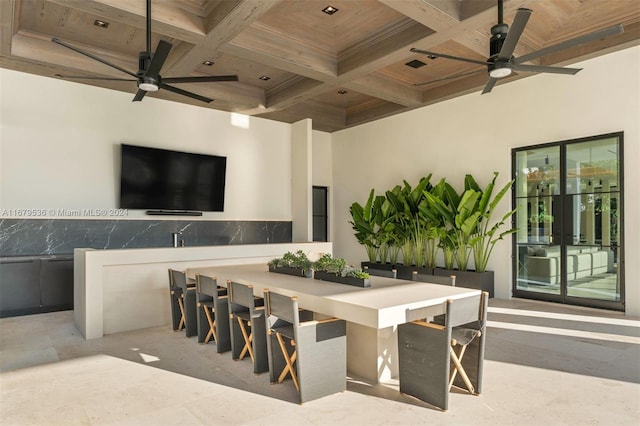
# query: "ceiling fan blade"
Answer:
x=451 y=77
x=492 y=82
x=541 y=68
x=455 y=58
x=185 y=93
x=89 y=55
x=514 y=33
x=139 y=95
x=616 y=29
x=157 y=61
x=213 y=78
x=83 y=77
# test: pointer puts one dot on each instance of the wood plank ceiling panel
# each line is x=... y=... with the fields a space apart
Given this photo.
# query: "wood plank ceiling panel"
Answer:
x=305 y=55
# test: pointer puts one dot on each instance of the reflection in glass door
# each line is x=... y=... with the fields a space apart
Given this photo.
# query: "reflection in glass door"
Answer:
x=537 y=239
x=568 y=245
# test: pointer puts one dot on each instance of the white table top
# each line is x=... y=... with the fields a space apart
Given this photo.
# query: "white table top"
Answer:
x=388 y=302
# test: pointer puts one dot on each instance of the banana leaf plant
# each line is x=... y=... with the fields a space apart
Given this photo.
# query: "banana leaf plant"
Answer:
x=363 y=222
x=409 y=227
x=461 y=219
x=486 y=235
x=447 y=242
x=443 y=228
x=385 y=226
x=433 y=221
x=372 y=223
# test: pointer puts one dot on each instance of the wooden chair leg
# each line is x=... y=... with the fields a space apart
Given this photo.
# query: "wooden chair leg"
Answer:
x=214 y=331
x=457 y=361
x=247 y=341
x=288 y=369
x=211 y=326
x=181 y=305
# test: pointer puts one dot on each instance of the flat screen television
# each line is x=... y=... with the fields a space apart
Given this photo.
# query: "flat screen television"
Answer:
x=159 y=179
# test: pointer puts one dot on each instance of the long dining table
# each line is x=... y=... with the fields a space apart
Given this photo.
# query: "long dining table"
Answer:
x=372 y=313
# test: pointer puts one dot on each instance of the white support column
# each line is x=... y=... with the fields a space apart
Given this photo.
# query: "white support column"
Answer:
x=301 y=181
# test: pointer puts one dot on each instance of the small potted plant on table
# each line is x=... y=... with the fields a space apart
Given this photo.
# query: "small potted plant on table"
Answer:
x=335 y=269
x=297 y=264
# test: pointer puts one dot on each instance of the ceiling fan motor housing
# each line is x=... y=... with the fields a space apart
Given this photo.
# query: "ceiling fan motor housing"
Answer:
x=498 y=68
x=144 y=59
x=498 y=35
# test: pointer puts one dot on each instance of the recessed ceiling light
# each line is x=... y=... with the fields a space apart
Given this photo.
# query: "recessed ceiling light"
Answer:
x=265 y=78
x=432 y=57
x=101 y=24
x=329 y=10
x=415 y=64
x=208 y=63
x=342 y=91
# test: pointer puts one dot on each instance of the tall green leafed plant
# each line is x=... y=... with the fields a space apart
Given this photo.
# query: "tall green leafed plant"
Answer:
x=364 y=223
x=409 y=225
x=486 y=235
x=372 y=223
x=459 y=218
x=419 y=221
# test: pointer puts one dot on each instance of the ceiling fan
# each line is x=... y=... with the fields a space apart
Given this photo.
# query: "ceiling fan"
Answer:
x=502 y=63
x=148 y=76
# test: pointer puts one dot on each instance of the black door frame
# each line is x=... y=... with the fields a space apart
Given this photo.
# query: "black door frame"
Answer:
x=562 y=233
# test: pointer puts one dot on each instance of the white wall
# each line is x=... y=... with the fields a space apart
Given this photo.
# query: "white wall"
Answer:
x=59 y=147
x=475 y=134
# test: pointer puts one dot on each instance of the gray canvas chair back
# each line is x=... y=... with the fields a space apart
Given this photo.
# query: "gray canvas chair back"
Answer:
x=283 y=307
x=464 y=311
x=434 y=279
x=381 y=272
x=179 y=279
x=207 y=286
x=241 y=294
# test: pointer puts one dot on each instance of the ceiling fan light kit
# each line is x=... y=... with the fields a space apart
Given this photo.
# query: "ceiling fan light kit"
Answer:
x=501 y=62
x=150 y=64
x=148 y=84
x=501 y=71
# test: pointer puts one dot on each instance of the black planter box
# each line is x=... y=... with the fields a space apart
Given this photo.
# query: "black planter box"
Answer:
x=377 y=265
x=404 y=272
x=298 y=272
x=327 y=276
x=469 y=279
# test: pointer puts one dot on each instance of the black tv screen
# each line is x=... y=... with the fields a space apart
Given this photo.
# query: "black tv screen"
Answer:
x=160 y=179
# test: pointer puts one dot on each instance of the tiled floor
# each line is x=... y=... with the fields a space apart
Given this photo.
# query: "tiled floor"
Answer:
x=546 y=364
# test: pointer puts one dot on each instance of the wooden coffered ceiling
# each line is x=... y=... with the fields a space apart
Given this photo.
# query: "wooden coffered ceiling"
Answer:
x=340 y=70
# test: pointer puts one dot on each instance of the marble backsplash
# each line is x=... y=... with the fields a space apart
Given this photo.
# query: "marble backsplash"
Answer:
x=31 y=237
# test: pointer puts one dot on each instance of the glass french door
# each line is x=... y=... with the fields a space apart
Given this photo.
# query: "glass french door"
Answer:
x=568 y=246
